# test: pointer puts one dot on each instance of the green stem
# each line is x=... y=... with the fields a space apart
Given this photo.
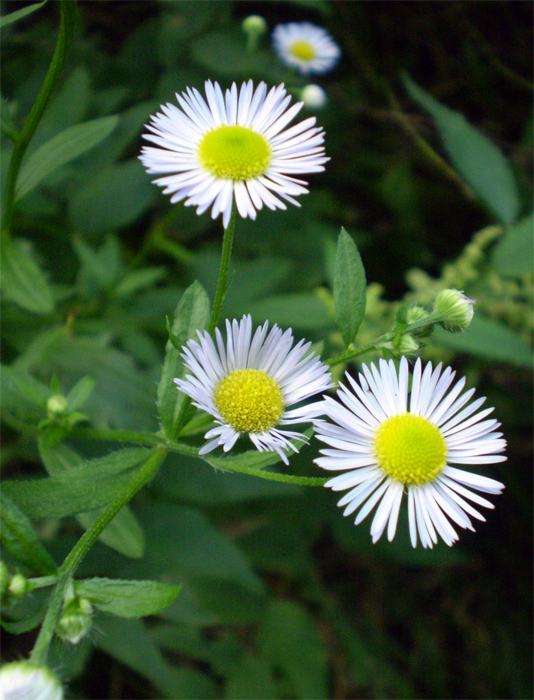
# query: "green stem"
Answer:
x=222 y=284
x=84 y=544
x=349 y=354
x=66 y=33
x=150 y=440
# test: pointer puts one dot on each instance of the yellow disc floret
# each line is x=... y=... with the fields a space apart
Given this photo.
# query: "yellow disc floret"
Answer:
x=303 y=50
x=234 y=153
x=410 y=449
x=249 y=400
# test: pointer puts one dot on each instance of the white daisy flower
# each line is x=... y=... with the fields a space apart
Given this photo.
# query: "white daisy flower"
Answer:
x=307 y=48
x=233 y=146
x=249 y=385
x=23 y=680
x=386 y=446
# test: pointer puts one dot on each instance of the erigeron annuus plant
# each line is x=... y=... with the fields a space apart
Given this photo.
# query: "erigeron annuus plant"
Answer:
x=236 y=385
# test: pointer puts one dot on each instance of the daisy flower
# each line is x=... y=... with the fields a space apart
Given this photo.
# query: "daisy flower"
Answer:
x=233 y=146
x=385 y=445
x=25 y=680
x=307 y=48
x=249 y=385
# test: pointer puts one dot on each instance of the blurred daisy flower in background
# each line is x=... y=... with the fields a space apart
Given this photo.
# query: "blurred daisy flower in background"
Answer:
x=305 y=47
x=249 y=385
x=23 y=680
x=385 y=446
x=233 y=146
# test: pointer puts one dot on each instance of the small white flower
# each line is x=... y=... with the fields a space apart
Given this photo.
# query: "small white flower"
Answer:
x=249 y=385
x=233 y=146
x=23 y=680
x=385 y=445
x=307 y=48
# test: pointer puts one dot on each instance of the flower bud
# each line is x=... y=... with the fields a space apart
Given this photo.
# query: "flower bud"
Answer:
x=255 y=25
x=314 y=96
x=56 y=405
x=455 y=309
x=18 y=586
x=22 y=679
x=416 y=314
x=75 y=620
x=405 y=345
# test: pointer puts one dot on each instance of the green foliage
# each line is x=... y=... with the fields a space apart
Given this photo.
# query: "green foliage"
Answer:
x=6 y=20
x=127 y=598
x=191 y=314
x=20 y=539
x=513 y=255
x=349 y=288
x=22 y=280
x=477 y=159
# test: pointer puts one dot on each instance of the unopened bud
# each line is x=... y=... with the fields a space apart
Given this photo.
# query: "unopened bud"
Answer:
x=314 y=96
x=405 y=345
x=56 y=405
x=75 y=620
x=18 y=586
x=415 y=314
x=455 y=309
x=25 y=680
x=254 y=24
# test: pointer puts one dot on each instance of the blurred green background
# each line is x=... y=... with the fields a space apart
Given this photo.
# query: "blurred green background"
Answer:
x=282 y=597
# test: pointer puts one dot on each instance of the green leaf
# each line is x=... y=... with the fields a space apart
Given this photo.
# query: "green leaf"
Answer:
x=22 y=281
x=251 y=678
x=80 y=392
x=92 y=485
x=20 y=539
x=23 y=395
x=350 y=288
x=128 y=598
x=6 y=20
x=112 y=199
x=69 y=144
x=290 y=640
x=124 y=534
x=100 y=268
x=488 y=339
x=192 y=314
x=513 y=254
x=138 y=279
x=477 y=159
x=130 y=642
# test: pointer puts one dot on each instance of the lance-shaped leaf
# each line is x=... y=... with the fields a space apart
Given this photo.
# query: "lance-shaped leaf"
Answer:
x=350 y=288
x=514 y=253
x=20 y=539
x=22 y=282
x=192 y=314
x=6 y=20
x=87 y=487
x=124 y=534
x=477 y=159
x=67 y=145
x=128 y=598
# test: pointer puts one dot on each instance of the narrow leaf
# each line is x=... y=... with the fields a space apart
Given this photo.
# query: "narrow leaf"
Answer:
x=80 y=392
x=350 y=288
x=20 y=539
x=477 y=159
x=128 y=598
x=124 y=534
x=69 y=144
x=192 y=314
x=6 y=20
x=87 y=487
x=23 y=395
x=513 y=254
x=22 y=281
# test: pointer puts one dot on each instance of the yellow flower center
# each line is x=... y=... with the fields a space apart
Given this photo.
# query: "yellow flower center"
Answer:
x=234 y=153
x=410 y=449
x=303 y=50
x=249 y=400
